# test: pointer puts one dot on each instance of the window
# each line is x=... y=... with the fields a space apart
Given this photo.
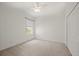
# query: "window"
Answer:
x=29 y=27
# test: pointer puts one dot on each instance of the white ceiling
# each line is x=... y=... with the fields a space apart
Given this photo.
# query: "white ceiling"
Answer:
x=46 y=7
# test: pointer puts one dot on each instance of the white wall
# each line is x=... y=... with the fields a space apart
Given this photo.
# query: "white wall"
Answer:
x=51 y=28
x=73 y=30
x=11 y=27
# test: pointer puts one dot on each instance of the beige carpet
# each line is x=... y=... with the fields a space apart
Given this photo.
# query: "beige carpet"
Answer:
x=37 y=48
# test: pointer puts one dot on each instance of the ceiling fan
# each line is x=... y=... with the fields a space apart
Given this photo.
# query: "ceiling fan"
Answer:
x=38 y=6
